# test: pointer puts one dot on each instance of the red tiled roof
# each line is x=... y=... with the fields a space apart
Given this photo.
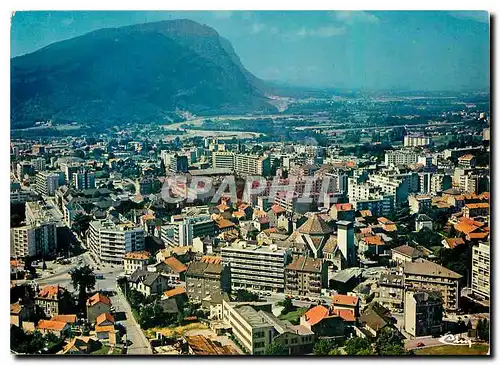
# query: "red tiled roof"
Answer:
x=211 y=259
x=98 y=298
x=316 y=314
x=50 y=291
x=346 y=314
x=51 y=325
x=175 y=264
x=277 y=209
x=465 y=228
x=104 y=317
x=344 y=206
x=344 y=299
x=453 y=242
x=67 y=318
x=176 y=291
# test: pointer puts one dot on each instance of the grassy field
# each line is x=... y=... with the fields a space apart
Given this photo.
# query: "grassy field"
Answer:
x=294 y=317
x=174 y=331
x=454 y=350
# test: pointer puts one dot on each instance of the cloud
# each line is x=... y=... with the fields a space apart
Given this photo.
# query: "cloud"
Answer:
x=323 y=32
x=355 y=17
x=223 y=14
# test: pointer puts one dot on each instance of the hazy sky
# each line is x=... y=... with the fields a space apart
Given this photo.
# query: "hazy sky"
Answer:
x=364 y=50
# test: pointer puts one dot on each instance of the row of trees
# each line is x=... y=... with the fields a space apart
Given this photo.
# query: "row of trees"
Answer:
x=389 y=342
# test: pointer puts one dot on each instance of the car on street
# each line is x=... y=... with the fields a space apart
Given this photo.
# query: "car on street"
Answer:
x=420 y=344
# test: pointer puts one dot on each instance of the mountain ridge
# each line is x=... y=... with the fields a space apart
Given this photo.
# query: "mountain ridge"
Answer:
x=138 y=72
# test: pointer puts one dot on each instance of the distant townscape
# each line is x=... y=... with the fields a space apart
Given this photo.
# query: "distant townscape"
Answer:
x=318 y=222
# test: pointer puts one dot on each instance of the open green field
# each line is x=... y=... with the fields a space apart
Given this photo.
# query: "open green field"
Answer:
x=294 y=317
x=454 y=350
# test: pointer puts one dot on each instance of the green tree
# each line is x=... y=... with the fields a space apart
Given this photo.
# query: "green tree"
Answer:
x=83 y=280
x=276 y=348
x=389 y=343
x=356 y=344
x=243 y=295
x=335 y=352
x=287 y=305
x=323 y=347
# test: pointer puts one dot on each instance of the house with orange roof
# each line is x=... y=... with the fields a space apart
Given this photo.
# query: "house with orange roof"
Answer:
x=135 y=260
x=50 y=299
x=323 y=322
x=70 y=319
x=465 y=228
x=346 y=302
x=97 y=305
x=476 y=210
x=342 y=212
x=224 y=225
x=60 y=329
x=171 y=267
x=372 y=243
x=452 y=242
x=477 y=236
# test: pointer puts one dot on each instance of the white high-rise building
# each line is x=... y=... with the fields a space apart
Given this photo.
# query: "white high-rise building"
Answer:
x=109 y=242
x=480 y=282
x=47 y=183
x=223 y=160
x=400 y=157
x=416 y=141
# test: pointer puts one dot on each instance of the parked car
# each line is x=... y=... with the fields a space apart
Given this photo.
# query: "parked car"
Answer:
x=420 y=344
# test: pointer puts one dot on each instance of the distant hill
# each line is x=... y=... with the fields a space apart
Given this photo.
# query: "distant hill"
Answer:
x=135 y=73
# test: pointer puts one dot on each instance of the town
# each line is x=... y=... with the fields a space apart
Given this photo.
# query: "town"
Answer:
x=294 y=234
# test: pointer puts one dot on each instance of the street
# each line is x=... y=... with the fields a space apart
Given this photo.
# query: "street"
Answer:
x=139 y=344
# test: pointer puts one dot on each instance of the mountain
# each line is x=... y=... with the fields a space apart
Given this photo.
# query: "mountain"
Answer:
x=141 y=72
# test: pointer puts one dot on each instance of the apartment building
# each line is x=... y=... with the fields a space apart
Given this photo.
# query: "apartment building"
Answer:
x=38 y=239
x=476 y=210
x=39 y=164
x=423 y=313
x=379 y=206
x=391 y=185
x=305 y=276
x=252 y=165
x=429 y=276
x=83 y=179
x=108 y=242
x=207 y=277
x=223 y=160
x=390 y=290
x=416 y=141
x=419 y=203
x=256 y=328
x=400 y=157
x=46 y=183
x=256 y=267
x=183 y=229
x=39 y=236
x=480 y=281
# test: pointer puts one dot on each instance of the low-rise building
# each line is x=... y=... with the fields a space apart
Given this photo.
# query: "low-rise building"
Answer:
x=256 y=328
x=405 y=253
x=135 y=260
x=206 y=277
x=147 y=282
x=50 y=300
x=97 y=305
